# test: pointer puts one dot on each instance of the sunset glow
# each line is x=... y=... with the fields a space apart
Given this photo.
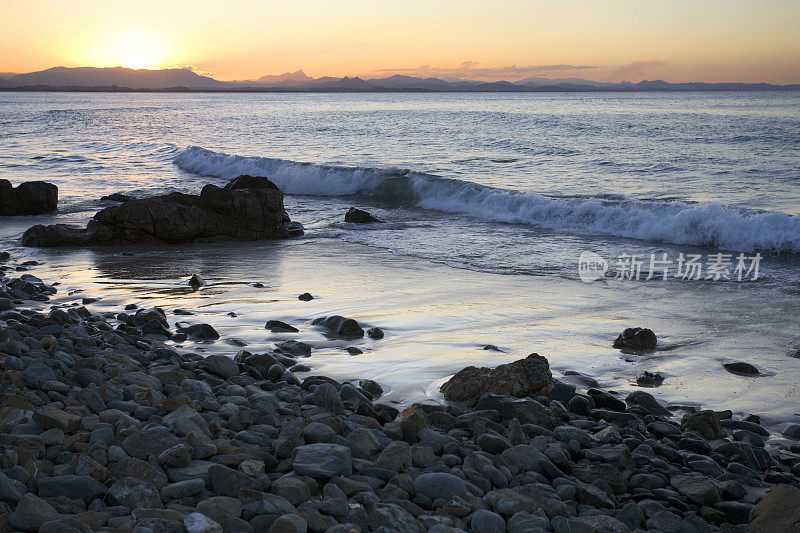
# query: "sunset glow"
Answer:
x=245 y=39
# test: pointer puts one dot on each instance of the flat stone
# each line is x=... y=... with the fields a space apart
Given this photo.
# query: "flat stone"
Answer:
x=435 y=485
x=152 y=441
x=74 y=487
x=322 y=460
x=696 y=488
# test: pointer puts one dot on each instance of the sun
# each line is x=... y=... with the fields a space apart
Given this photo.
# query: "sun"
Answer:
x=138 y=50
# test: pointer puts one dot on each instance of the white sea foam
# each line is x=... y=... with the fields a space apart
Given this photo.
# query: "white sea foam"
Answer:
x=713 y=225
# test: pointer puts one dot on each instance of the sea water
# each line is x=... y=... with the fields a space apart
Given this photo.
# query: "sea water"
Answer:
x=489 y=201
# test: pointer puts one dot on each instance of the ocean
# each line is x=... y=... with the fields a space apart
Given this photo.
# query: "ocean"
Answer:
x=691 y=202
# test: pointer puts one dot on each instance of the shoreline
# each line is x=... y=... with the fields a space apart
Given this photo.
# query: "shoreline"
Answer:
x=130 y=424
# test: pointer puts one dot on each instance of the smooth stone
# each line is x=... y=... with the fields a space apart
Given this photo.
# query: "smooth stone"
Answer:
x=322 y=460
x=435 y=485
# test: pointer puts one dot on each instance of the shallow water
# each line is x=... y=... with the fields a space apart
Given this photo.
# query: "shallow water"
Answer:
x=490 y=199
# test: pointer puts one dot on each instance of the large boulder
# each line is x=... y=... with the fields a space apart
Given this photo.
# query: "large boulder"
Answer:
x=246 y=209
x=777 y=512
x=526 y=377
x=29 y=198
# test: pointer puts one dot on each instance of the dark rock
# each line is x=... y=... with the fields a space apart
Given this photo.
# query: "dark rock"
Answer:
x=352 y=350
x=222 y=366
x=322 y=460
x=649 y=379
x=305 y=297
x=200 y=332
x=778 y=511
x=440 y=485
x=293 y=348
x=246 y=209
x=648 y=402
x=741 y=369
x=526 y=377
x=359 y=216
x=150 y=441
x=373 y=388
x=340 y=326
x=28 y=198
x=277 y=326
x=117 y=197
x=197 y=282
x=705 y=423
x=74 y=487
x=229 y=482
x=134 y=494
x=636 y=340
x=792 y=431
x=375 y=333
x=31 y=513
x=605 y=400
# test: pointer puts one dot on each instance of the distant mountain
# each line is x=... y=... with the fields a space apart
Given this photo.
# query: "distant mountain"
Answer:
x=286 y=77
x=538 y=80
x=114 y=77
x=5 y=75
x=119 y=78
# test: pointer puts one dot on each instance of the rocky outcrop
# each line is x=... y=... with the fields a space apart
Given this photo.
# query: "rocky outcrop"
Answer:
x=527 y=377
x=29 y=198
x=248 y=208
x=359 y=216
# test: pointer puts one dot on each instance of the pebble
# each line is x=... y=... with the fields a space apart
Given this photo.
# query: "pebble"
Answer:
x=105 y=428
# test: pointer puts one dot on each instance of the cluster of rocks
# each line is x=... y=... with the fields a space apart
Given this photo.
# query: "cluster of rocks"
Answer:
x=28 y=198
x=247 y=208
x=103 y=428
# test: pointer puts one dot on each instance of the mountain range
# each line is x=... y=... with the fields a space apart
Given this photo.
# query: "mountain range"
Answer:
x=180 y=79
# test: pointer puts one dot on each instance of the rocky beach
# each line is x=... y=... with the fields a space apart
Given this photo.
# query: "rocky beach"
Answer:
x=105 y=427
x=178 y=354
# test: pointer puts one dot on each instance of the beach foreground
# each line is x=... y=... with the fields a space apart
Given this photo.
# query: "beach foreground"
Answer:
x=105 y=427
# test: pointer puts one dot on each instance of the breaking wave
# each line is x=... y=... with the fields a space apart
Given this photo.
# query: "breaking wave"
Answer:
x=675 y=222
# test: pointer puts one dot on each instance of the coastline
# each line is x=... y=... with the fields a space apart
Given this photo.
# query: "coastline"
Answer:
x=595 y=464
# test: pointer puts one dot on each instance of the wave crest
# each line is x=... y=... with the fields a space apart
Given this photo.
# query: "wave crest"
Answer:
x=674 y=222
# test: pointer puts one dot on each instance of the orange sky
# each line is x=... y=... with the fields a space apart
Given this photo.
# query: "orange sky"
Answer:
x=611 y=40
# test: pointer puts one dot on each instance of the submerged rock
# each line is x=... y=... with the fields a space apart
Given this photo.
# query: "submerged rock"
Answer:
x=649 y=379
x=636 y=339
x=527 y=377
x=28 y=198
x=340 y=326
x=741 y=369
x=359 y=216
x=248 y=208
x=276 y=326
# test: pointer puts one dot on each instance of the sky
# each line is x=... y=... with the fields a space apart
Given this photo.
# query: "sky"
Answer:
x=610 y=40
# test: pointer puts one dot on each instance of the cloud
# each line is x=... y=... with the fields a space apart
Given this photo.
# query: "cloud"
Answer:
x=193 y=68
x=472 y=70
x=637 y=69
